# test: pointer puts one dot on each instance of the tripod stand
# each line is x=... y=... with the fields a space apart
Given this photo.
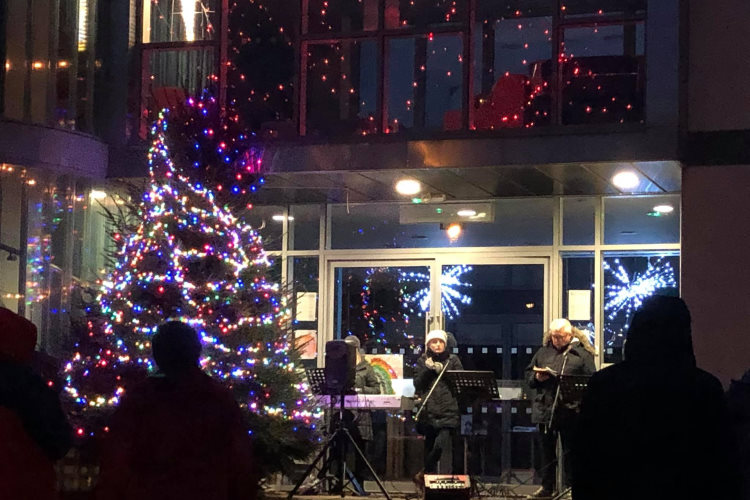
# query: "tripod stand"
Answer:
x=336 y=447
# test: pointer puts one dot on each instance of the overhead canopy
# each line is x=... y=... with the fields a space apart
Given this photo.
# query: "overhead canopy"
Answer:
x=655 y=177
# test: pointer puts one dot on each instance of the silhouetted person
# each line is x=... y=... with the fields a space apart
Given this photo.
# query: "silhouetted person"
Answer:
x=739 y=410
x=565 y=351
x=178 y=435
x=654 y=426
x=359 y=422
x=34 y=432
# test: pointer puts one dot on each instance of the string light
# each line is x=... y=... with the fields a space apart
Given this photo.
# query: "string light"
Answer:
x=188 y=260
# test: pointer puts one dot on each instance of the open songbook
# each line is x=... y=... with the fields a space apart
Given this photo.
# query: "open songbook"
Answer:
x=546 y=370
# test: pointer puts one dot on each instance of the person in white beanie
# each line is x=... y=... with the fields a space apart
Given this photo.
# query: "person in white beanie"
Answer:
x=440 y=417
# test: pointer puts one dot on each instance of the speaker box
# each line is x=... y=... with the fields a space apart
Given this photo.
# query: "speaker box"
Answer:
x=445 y=487
x=340 y=367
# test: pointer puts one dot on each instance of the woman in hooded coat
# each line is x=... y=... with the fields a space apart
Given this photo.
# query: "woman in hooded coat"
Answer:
x=440 y=417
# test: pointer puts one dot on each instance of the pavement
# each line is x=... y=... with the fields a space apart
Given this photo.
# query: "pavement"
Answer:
x=406 y=490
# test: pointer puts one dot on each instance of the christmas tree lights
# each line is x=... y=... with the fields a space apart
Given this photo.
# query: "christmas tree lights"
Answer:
x=193 y=261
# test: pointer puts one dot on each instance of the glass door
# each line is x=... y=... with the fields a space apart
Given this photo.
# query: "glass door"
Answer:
x=497 y=311
x=384 y=303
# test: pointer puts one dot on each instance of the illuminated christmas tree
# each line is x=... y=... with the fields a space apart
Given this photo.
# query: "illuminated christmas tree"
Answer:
x=191 y=260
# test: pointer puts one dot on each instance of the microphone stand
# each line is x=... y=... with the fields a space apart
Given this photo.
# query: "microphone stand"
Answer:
x=560 y=376
x=434 y=384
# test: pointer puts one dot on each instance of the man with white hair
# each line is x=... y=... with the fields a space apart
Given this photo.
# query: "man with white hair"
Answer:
x=565 y=351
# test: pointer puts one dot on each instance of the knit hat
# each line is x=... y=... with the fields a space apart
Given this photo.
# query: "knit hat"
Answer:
x=437 y=334
x=352 y=340
x=17 y=336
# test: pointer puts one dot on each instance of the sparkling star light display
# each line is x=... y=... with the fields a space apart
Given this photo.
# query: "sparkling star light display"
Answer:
x=450 y=290
x=191 y=260
x=629 y=292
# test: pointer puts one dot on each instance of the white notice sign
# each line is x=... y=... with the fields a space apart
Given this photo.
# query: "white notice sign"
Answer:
x=579 y=305
x=307 y=306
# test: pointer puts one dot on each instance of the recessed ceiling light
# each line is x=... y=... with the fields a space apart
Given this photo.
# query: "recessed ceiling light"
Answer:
x=96 y=194
x=408 y=187
x=664 y=209
x=466 y=212
x=627 y=179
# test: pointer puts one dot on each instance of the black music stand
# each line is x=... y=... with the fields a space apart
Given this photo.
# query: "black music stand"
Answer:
x=338 y=439
x=570 y=389
x=472 y=388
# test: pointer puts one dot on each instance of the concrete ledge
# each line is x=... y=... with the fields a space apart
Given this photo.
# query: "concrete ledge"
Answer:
x=53 y=149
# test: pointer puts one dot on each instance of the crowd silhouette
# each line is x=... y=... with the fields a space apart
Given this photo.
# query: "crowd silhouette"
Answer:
x=653 y=426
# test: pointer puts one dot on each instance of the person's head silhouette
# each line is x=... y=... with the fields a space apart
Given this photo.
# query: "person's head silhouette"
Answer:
x=17 y=337
x=176 y=348
x=660 y=333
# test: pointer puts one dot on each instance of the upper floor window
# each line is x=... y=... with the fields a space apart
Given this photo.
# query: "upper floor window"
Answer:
x=179 y=20
x=415 y=66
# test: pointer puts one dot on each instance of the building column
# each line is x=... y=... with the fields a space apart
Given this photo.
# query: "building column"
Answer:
x=715 y=271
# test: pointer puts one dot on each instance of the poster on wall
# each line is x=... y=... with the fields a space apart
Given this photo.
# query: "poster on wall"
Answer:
x=390 y=371
x=306 y=306
x=579 y=305
x=307 y=342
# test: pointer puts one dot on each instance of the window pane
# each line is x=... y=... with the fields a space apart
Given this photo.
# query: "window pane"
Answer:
x=424 y=13
x=510 y=222
x=187 y=70
x=513 y=44
x=11 y=187
x=425 y=83
x=629 y=278
x=371 y=302
x=261 y=218
x=578 y=221
x=342 y=16
x=634 y=219
x=179 y=20
x=603 y=74
x=66 y=70
x=578 y=291
x=342 y=88
x=304 y=223
x=305 y=279
x=491 y=307
x=602 y=9
x=173 y=75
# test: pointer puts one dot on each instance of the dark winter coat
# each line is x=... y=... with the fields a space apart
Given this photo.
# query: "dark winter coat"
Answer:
x=580 y=361
x=177 y=438
x=34 y=432
x=739 y=411
x=442 y=407
x=655 y=426
x=365 y=382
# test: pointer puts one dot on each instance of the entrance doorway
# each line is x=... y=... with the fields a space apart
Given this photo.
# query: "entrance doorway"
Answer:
x=497 y=309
